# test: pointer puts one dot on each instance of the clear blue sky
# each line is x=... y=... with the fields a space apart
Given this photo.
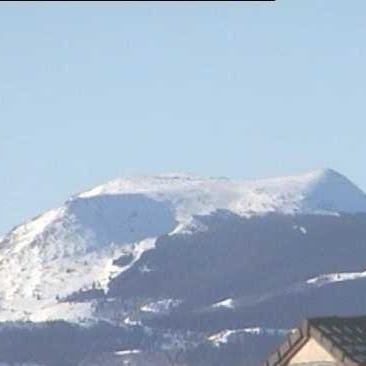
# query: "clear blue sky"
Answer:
x=90 y=92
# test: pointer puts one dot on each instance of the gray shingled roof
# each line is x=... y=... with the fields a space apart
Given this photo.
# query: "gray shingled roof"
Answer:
x=343 y=337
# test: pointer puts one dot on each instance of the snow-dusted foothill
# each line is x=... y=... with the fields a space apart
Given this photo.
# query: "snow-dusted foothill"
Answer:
x=231 y=335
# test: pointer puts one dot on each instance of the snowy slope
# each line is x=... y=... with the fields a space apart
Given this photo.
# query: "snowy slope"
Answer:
x=73 y=247
x=319 y=191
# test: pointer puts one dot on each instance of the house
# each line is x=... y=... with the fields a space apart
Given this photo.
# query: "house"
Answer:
x=323 y=342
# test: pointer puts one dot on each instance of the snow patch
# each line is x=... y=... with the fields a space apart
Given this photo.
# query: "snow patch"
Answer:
x=230 y=335
x=302 y=229
x=189 y=227
x=161 y=307
x=227 y=303
x=335 y=277
x=133 y=323
x=127 y=352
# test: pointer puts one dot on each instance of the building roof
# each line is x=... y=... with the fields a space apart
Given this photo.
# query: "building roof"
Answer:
x=343 y=337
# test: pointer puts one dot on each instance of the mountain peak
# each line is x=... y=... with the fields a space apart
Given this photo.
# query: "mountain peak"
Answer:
x=332 y=191
x=321 y=191
x=329 y=173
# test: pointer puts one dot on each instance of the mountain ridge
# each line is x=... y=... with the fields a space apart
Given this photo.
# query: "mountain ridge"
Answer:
x=76 y=246
x=212 y=269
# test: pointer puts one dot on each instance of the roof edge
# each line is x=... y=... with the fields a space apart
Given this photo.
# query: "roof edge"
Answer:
x=307 y=329
x=293 y=342
x=330 y=345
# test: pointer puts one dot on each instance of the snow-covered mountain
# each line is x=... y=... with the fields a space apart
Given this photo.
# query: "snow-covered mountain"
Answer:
x=73 y=247
x=181 y=253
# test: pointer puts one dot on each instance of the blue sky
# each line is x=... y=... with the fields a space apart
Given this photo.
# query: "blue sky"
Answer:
x=93 y=91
